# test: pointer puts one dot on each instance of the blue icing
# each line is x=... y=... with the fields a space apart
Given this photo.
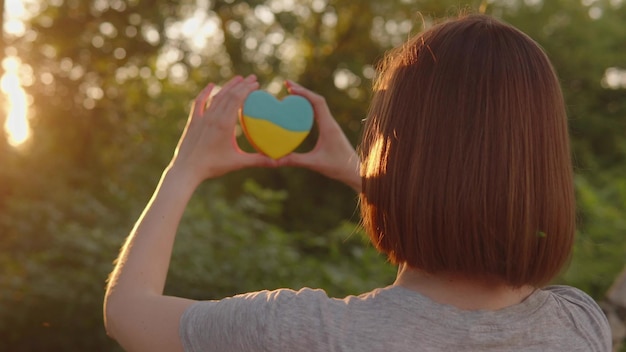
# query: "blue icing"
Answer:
x=293 y=113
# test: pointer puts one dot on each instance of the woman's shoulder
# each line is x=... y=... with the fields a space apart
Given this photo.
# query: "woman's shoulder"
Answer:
x=584 y=313
x=575 y=299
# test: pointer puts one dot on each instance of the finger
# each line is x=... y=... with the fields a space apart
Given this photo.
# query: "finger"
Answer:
x=200 y=101
x=232 y=99
x=256 y=160
x=297 y=159
x=217 y=96
x=233 y=81
x=227 y=87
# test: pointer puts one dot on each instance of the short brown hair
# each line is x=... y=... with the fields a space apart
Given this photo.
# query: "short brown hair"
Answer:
x=466 y=161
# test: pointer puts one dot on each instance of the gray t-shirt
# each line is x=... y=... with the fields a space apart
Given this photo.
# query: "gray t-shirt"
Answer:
x=557 y=318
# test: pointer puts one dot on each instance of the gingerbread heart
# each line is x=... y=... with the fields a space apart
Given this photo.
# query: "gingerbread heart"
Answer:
x=276 y=127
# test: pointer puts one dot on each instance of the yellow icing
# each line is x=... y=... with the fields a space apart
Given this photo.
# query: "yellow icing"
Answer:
x=271 y=139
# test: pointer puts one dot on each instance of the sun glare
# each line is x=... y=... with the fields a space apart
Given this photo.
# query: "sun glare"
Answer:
x=16 y=107
x=15 y=100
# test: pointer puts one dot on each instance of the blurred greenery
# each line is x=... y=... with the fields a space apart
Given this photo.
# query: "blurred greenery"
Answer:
x=110 y=85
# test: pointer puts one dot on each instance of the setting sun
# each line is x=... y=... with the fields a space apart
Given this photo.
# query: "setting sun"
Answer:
x=15 y=102
x=16 y=107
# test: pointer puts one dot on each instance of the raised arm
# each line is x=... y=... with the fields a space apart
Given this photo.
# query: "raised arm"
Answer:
x=136 y=312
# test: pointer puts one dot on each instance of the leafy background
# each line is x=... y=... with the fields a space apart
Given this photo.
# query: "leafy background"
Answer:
x=110 y=83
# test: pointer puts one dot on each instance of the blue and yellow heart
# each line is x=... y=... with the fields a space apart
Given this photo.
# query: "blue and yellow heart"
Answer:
x=276 y=127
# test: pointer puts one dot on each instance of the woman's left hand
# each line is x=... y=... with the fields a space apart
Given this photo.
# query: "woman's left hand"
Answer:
x=207 y=147
x=333 y=155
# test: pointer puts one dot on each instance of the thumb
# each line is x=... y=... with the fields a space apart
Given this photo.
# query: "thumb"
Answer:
x=296 y=159
x=256 y=160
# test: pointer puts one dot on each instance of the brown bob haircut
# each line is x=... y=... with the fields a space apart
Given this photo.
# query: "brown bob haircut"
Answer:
x=466 y=163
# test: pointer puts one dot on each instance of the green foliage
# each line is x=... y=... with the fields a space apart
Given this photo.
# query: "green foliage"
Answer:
x=107 y=121
x=254 y=254
x=55 y=252
x=599 y=250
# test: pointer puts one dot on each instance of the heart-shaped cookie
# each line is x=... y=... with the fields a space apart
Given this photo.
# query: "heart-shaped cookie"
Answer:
x=276 y=127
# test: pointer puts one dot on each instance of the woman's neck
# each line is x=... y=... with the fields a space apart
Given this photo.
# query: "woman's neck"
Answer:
x=460 y=292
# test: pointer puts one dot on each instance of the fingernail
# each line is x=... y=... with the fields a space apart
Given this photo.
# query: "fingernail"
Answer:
x=293 y=85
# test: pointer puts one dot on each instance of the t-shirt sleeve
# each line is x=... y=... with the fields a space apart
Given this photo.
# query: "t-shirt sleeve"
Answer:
x=259 y=321
x=585 y=314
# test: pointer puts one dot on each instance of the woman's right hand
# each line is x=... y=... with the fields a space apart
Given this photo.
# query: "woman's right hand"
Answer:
x=207 y=147
x=333 y=155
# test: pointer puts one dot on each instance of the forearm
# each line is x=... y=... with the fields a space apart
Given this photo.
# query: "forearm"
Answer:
x=353 y=177
x=137 y=314
x=346 y=170
x=144 y=259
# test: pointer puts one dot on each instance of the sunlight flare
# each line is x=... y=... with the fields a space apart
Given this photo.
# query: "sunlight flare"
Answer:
x=16 y=104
